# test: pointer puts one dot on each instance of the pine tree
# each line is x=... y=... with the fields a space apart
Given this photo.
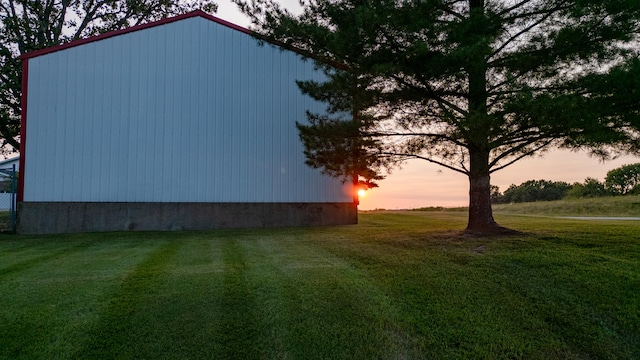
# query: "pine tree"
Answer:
x=471 y=85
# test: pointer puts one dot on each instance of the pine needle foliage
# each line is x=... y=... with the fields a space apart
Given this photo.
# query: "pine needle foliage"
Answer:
x=472 y=85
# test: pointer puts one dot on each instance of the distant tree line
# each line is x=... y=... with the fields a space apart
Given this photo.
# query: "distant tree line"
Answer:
x=624 y=180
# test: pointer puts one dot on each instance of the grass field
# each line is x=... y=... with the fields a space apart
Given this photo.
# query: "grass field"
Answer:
x=604 y=206
x=400 y=285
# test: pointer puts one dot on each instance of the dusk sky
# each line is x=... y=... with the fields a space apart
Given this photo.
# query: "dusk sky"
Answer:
x=421 y=184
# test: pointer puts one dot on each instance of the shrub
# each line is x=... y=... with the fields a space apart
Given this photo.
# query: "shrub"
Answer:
x=496 y=196
x=590 y=189
x=535 y=190
x=623 y=179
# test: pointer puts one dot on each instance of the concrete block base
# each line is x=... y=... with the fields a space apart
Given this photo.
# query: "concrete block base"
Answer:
x=72 y=217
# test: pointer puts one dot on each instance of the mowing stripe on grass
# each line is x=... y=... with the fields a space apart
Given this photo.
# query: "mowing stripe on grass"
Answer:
x=397 y=286
x=239 y=328
x=326 y=309
x=49 y=305
x=37 y=260
x=111 y=336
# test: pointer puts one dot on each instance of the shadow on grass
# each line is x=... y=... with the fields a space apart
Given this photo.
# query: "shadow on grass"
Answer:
x=239 y=330
x=111 y=336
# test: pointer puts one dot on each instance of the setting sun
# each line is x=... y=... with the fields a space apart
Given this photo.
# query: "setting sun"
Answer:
x=361 y=192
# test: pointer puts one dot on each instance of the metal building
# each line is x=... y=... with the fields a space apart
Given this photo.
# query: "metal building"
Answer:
x=185 y=123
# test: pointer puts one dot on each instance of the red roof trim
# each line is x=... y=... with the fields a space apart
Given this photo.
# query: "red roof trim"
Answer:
x=196 y=13
x=23 y=127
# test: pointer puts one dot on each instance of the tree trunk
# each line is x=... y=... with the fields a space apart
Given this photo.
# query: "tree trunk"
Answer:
x=480 y=213
x=481 y=220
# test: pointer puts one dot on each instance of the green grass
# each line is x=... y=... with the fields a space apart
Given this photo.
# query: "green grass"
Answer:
x=628 y=205
x=401 y=285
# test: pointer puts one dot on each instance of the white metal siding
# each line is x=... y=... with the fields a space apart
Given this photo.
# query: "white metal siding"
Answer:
x=190 y=111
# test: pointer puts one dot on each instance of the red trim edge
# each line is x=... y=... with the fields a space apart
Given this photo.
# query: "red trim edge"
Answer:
x=25 y=71
x=191 y=14
x=197 y=13
x=23 y=127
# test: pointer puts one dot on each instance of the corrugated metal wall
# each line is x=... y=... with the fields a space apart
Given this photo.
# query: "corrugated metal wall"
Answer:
x=190 y=111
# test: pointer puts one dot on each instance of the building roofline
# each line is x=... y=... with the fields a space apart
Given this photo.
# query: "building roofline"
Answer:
x=197 y=13
x=191 y=14
x=15 y=158
x=110 y=34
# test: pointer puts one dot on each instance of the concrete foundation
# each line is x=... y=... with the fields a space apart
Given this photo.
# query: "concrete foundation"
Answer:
x=73 y=217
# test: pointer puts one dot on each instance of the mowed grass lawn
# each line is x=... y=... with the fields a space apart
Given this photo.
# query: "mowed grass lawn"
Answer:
x=400 y=285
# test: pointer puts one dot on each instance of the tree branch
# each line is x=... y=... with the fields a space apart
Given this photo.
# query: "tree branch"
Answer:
x=507 y=153
x=413 y=156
